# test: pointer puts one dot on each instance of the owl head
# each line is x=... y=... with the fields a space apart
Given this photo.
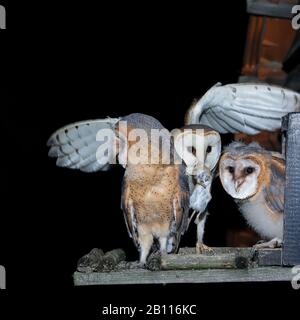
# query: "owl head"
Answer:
x=243 y=169
x=199 y=146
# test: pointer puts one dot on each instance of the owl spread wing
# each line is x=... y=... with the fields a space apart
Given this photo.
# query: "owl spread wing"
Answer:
x=274 y=193
x=78 y=145
x=184 y=202
x=246 y=108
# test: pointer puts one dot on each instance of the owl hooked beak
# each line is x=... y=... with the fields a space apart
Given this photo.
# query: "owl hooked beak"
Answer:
x=238 y=183
x=201 y=183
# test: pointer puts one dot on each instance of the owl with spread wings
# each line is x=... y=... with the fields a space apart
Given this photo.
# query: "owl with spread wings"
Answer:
x=155 y=195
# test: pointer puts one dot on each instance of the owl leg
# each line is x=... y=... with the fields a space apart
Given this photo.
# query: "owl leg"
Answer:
x=274 y=243
x=200 y=246
x=163 y=245
x=145 y=241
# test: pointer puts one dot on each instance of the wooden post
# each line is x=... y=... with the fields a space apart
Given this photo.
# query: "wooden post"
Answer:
x=142 y=276
x=291 y=231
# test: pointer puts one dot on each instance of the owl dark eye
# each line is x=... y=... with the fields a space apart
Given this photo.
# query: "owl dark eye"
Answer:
x=192 y=150
x=249 y=170
x=208 y=149
x=231 y=169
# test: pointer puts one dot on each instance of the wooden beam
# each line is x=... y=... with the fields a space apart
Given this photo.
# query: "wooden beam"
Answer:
x=244 y=251
x=269 y=257
x=184 y=267
x=201 y=261
x=255 y=257
x=269 y=9
x=291 y=232
x=141 y=276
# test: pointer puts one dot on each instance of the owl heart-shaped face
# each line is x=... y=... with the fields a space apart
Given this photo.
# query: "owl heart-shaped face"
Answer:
x=239 y=176
x=198 y=146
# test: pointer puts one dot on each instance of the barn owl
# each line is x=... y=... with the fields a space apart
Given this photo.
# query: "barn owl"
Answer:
x=155 y=195
x=246 y=108
x=201 y=160
x=255 y=178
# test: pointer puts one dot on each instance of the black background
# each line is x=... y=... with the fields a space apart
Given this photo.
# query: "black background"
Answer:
x=66 y=63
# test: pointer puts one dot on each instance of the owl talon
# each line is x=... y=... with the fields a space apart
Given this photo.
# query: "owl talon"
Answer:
x=201 y=248
x=274 y=243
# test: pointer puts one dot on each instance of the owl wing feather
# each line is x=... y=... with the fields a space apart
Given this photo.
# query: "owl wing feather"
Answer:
x=181 y=206
x=246 y=108
x=274 y=192
x=184 y=200
x=76 y=145
x=129 y=214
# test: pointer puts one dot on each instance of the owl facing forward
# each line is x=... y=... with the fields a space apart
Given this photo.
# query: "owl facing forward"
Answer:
x=255 y=178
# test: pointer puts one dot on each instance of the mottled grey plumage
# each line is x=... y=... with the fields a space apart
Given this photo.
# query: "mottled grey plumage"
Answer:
x=274 y=195
x=237 y=148
x=143 y=121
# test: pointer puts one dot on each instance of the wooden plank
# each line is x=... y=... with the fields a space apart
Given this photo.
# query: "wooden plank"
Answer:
x=243 y=251
x=201 y=261
x=259 y=257
x=127 y=273
x=269 y=257
x=269 y=9
x=141 y=276
x=291 y=233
